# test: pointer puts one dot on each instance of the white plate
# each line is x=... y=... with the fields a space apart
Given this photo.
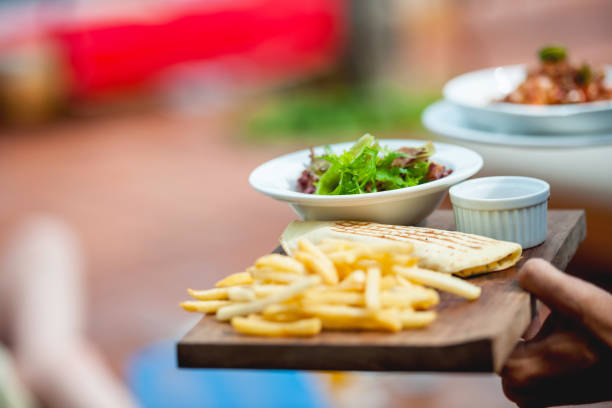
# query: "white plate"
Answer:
x=475 y=94
x=445 y=119
x=277 y=178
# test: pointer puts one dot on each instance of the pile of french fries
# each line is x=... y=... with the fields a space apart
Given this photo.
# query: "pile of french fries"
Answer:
x=336 y=285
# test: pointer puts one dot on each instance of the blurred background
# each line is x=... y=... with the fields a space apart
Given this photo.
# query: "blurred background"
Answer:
x=137 y=122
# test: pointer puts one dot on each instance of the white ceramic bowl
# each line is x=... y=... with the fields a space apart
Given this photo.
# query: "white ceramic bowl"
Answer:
x=406 y=206
x=506 y=208
x=475 y=94
x=444 y=119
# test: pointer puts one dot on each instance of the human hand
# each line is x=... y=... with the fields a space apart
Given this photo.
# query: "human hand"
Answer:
x=569 y=361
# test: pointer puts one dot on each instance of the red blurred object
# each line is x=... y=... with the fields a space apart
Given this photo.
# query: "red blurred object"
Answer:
x=270 y=38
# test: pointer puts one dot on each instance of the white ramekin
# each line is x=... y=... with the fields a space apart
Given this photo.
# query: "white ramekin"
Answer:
x=506 y=208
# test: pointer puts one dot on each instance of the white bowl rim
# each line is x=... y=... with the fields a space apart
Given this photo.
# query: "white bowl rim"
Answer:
x=473 y=165
x=460 y=193
x=440 y=119
x=523 y=109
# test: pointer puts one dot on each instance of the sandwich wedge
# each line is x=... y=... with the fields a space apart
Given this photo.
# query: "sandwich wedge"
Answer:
x=443 y=251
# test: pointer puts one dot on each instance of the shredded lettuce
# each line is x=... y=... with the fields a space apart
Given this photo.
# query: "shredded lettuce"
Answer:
x=367 y=167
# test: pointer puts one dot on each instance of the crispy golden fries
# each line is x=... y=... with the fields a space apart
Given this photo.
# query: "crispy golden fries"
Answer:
x=355 y=318
x=209 y=294
x=416 y=320
x=314 y=258
x=354 y=281
x=240 y=294
x=336 y=285
x=372 y=288
x=442 y=281
x=204 y=306
x=281 y=262
x=240 y=278
x=265 y=290
x=273 y=276
x=256 y=326
x=283 y=312
x=241 y=309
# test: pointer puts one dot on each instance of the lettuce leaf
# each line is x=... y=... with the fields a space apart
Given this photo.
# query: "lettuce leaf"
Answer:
x=367 y=167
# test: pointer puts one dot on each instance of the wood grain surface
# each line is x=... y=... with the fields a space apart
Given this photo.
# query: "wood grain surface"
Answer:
x=467 y=336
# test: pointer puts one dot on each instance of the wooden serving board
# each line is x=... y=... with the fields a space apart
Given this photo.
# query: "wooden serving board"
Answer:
x=467 y=336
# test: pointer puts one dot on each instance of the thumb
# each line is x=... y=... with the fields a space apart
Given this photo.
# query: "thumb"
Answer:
x=576 y=299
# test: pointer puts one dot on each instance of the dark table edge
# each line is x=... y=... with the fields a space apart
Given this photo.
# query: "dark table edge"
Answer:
x=339 y=358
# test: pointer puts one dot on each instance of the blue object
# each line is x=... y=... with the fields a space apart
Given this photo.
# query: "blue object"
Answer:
x=156 y=382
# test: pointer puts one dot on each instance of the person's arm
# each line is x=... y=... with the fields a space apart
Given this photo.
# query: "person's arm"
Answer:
x=41 y=273
x=570 y=359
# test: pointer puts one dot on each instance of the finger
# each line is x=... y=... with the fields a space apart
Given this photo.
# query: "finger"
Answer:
x=538 y=321
x=550 y=325
x=573 y=297
x=559 y=354
x=581 y=387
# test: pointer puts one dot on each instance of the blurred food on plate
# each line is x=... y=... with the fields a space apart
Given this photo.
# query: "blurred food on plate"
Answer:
x=557 y=81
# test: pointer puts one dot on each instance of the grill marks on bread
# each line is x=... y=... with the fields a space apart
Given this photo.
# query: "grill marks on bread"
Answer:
x=447 y=239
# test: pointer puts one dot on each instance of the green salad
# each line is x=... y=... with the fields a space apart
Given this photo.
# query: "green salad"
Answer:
x=368 y=167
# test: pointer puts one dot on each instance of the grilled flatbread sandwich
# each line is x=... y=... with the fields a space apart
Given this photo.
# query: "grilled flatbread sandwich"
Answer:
x=443 y=251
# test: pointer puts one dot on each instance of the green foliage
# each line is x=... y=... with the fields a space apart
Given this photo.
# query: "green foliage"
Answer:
x=338 y=113
x=553 y=53
x=584 y=75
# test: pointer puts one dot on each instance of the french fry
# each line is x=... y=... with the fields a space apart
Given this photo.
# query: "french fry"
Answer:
x=372 y=288
x=314 y=258
x=204 y=306
x=240 y=294
x=265 y=290
x=415 y=320
x=256 y=306
x=354 y=324
x=442 y=281
x=337 y=285
x=403 y=282
x=273 y=275
x=389 y=319
x=418 y=296
x=388 y=282
x=280 y=308
x=344 y=270
x=334 y=297
x=345 y=256
x=387 y=298
x=367 y=263
x=281 y=262
x=329 y=275
x=404 y=260
x=354 y=281
x=332 y=245
x=354 y=318
x=425 y=298
x=398 y=299
x=259 y=327
x=236 y=279
x=285 y=317
x=283 y=312
x=336 y=312
x=209 y=294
